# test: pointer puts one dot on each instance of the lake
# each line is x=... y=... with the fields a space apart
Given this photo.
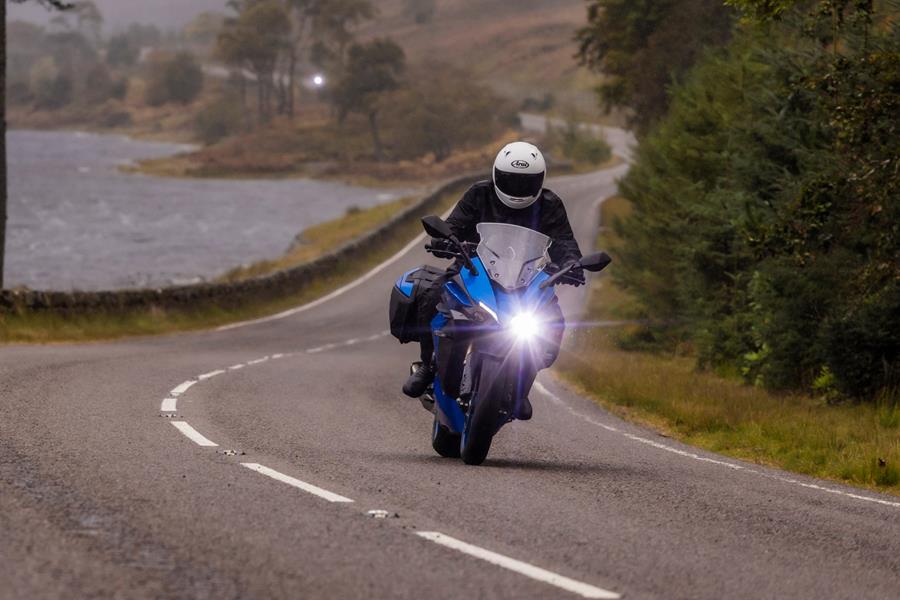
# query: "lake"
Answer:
x=77 y=222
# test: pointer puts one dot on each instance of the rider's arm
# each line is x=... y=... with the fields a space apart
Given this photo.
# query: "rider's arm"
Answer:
x=465 y=217
x=556 y=225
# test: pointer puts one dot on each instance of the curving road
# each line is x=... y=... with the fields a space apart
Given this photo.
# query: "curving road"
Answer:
x=110 y=487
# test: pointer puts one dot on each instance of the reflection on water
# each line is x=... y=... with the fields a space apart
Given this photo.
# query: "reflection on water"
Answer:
x=76 y=222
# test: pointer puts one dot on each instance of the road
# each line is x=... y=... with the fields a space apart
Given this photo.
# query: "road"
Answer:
x=109 y=486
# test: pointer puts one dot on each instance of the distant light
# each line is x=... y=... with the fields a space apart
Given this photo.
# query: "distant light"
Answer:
x=318 y=81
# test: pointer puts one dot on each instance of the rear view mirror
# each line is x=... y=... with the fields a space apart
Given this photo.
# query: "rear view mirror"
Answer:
x=595 y=262
x=436 y=227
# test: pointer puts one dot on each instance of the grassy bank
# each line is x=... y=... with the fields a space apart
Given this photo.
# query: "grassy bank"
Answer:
x=44 y=327
x=852 y=443
x=321 y=239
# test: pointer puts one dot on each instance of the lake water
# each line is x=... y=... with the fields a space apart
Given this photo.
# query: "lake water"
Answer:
x=77 y=222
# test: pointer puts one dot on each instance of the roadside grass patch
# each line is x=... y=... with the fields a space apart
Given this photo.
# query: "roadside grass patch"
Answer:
x=857 y=444
x=321 y=239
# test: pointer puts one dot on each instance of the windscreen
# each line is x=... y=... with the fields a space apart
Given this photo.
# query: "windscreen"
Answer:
x=512 y=255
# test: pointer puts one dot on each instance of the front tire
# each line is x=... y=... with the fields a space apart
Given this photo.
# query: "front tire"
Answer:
x=477 y=442
x=484 y=418
x=445 y=442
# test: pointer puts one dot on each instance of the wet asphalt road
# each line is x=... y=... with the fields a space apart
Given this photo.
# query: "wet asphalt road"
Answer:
x=102 y=496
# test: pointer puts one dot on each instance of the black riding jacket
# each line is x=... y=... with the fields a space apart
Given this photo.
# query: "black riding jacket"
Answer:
x=547 y=215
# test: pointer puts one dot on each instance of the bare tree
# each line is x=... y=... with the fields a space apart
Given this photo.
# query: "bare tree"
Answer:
x=4 y=191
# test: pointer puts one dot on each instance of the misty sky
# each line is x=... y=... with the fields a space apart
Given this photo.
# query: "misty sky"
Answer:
x=119 y=13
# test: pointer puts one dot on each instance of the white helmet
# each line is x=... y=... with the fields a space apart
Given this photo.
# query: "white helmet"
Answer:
x=519 y=172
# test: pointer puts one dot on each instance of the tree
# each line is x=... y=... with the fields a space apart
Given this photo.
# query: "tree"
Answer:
x=765 y=205
x=121 y=51
x=174 y=79
x=4 y=191
x=253 y=40
x=50 y=87
x=89 y=18
x=204 y=28
x=372 y=70
x=640 y=47
x=442 y=109
x=334 y=21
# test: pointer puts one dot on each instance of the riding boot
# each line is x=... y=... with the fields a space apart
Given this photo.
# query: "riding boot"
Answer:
x=419 y=381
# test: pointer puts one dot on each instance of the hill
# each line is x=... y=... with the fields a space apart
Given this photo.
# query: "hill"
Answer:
x=522 y=49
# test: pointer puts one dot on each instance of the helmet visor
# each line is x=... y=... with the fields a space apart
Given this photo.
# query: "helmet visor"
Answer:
x=519 y=185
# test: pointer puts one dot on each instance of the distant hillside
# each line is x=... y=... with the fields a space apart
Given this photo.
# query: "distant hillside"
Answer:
x=521 y=47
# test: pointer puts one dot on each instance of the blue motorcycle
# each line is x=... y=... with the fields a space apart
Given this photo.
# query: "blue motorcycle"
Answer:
x=498 y=324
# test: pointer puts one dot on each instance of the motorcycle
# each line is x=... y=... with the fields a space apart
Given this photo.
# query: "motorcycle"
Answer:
x=498 y=324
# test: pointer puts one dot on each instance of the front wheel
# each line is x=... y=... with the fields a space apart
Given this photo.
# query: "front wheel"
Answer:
x=477 y=442
x=485 y=416
x=445 y=442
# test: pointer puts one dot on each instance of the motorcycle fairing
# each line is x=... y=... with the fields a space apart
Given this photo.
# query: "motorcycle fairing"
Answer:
x=451 y=336
x=448 y=410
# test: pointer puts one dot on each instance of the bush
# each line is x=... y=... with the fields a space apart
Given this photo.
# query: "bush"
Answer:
x=219 y=120
x=18 y=91
x=580 y=144
x=175 y=79
x=442 y=110
x=122 y=51
x=116 y=118
x=98 y=84
x=50 y=87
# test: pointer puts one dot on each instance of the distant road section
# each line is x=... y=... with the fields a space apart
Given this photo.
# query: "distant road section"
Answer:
x=77 y=222
x=622 y=142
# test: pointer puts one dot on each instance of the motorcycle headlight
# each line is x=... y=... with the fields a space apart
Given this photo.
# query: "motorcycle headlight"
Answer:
x=525 y=326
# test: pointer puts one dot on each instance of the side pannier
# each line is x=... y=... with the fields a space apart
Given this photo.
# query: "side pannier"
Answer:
x=405 y=294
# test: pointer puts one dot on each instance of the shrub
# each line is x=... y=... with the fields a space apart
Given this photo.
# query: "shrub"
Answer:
x=175 y=79
x=50 y=87
x=219 y=120
x=122 y=51
x=581 y=144
x=442 y=110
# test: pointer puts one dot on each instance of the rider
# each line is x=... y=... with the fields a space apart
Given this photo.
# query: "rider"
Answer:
x=515 y=196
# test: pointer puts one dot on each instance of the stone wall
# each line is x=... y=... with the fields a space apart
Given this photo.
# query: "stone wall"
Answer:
x=231 y=294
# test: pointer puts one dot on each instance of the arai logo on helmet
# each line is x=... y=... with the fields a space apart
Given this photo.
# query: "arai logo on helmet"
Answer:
x=519 y=164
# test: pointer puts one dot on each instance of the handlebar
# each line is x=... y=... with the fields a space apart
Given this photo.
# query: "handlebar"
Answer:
x=562 y=276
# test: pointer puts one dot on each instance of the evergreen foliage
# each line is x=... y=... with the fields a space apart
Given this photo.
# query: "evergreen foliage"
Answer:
x=642 y=46
x=766 y=212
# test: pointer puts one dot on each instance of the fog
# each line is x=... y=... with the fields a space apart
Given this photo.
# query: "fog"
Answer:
x=120 y=13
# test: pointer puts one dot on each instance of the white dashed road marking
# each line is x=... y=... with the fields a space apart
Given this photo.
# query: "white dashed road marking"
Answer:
x=169 y=405
x=182 y=388
x=210 y=374
x=522 y=568
x=193 y=435
x=302 y=485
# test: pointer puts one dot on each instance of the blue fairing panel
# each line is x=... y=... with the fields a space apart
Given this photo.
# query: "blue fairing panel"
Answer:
x=406 y=286
x=453 y=416
x=480 y=286
x=458 y=293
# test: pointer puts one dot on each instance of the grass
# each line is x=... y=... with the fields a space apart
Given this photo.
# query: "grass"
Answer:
x=857 y=444
x=44 y=327
x=314 y=145
x=320 y=239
